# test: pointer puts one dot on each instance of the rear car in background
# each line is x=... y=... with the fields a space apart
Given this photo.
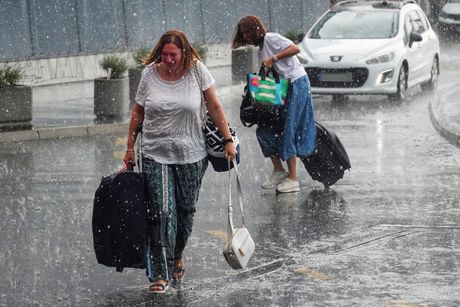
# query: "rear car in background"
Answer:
x=371 y=47
x=449 y=17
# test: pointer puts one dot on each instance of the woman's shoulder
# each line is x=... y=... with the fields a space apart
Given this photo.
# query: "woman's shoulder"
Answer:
x=199 y=64
x=204 y=74
x=201 y=67
x=148 y=68
x=273 y=35
x=276 y=39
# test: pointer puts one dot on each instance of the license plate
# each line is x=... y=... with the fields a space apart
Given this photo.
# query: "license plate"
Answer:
x=336 y=77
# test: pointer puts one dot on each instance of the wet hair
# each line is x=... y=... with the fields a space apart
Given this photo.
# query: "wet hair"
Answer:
x=255 y=24
x=178 y=38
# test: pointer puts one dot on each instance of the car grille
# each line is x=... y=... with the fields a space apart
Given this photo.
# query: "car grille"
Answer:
x=348 y=78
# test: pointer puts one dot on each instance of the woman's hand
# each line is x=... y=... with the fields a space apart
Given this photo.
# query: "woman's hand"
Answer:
x=268 y=62
x=230 y=151
x=129 y=158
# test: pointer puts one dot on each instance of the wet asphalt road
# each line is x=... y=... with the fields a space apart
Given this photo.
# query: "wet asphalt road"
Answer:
x=388 y=234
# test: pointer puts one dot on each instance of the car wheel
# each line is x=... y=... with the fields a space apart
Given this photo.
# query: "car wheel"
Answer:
x=433 y=82
x=401 y=92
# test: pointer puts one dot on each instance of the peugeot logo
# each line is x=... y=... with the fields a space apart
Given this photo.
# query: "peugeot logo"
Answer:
x=336 y=58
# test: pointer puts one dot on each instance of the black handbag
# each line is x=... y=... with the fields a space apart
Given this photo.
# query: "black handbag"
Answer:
x=254 y=114
x=215 y=146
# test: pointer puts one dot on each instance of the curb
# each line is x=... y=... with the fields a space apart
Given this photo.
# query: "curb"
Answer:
x=438 y=119
x=61 y=132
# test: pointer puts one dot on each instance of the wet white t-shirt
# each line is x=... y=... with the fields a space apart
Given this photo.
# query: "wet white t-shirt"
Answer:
x=288 y=68
x=173 y=118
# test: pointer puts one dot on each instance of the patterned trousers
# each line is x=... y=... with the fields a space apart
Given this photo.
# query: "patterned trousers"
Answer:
x=172 y=192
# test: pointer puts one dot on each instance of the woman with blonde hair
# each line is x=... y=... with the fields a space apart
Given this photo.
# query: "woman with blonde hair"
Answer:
x=169 y=107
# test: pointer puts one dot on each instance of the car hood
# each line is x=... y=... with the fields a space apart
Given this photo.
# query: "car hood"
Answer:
x=451 y=8
x=356 y=48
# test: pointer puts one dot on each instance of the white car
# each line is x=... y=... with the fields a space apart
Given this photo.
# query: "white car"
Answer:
x=449 y=16
x=371 y=47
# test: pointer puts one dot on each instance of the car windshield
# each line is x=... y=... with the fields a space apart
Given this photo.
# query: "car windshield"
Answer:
x=353 y=24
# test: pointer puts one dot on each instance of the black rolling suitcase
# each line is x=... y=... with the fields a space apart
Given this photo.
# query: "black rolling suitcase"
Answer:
x=119 y=220
x=329 y=161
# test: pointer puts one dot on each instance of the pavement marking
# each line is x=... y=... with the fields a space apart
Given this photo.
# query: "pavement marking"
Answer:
x=372 y=240
x=218 y=234
x=401 y=303
x=313 y=274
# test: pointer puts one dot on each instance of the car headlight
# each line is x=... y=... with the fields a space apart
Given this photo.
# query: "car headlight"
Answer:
x=383 y=58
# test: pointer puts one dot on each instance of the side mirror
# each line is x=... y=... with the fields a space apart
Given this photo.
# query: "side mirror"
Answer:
x=414 y=37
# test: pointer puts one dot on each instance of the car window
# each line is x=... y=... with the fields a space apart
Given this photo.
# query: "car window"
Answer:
x=408 y=28
x=454 y=1
x=425 y=21
x=356 y=25
x=417 y=22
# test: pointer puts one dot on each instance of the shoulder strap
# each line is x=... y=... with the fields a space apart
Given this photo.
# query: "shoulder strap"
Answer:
x=199 y=79
x=231 y=228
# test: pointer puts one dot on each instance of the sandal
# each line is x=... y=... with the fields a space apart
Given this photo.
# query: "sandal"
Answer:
x=178 y=274
x=179 y=270
x=158 y=287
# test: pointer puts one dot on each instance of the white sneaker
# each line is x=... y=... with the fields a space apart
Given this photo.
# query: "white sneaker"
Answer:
x=288 y=186
x=275 y=179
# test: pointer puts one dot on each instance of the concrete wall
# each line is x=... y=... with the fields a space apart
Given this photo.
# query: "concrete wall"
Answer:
x=84 y=67
x=31 y=29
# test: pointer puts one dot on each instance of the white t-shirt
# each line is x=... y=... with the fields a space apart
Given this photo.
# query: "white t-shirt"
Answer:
x=173 y=118
x=287 y=68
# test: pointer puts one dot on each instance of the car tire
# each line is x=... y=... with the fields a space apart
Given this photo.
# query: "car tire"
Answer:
x=401 y=91
x=433 y=82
